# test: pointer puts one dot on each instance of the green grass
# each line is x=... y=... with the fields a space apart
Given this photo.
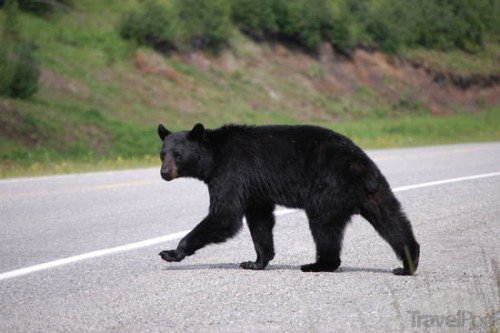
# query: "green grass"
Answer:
x=41 y=168
x=483 y=62
x=424 y=129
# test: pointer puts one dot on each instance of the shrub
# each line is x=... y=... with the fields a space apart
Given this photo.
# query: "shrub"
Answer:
x=26 y=72
x=314 y=20
x=385 y=24
x=343 y=32
x=41 y=6
x=436 y=24
x=185 y=25
x=6 y=70
x=203 y=23
x=255 y=18
x=489 y=11
x=450 y=24
x=150 y=24
x=305 y=23
x=19 y=71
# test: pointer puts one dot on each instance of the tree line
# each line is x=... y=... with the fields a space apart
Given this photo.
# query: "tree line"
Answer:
x=388 y=25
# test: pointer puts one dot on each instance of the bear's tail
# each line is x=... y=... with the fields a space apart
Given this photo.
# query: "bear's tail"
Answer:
x=383 y=211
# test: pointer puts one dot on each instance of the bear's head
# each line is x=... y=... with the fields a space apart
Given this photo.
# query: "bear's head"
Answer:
x=185 y=154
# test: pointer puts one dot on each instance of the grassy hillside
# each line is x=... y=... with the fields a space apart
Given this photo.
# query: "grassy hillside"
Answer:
x=101 y=97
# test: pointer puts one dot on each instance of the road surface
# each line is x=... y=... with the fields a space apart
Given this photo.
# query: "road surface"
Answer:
x=80 y=253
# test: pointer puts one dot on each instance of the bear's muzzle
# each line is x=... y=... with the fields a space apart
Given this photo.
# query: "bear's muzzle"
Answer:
x=169 y=171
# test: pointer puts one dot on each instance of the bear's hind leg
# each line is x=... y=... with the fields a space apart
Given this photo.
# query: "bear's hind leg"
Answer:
x=384 y=213
x=260 y=220
x=327 y=234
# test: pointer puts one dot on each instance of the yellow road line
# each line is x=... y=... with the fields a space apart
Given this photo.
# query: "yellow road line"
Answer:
x=77 y=189
x=127 y=184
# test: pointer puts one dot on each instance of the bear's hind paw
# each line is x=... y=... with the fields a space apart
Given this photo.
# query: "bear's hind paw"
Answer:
x=402 y=271
x=319 y=267
x=252 y=265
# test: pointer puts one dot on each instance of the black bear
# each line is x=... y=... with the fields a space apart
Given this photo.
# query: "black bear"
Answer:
x=250 y=169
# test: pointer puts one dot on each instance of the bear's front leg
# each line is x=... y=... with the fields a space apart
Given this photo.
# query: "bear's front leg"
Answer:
x=215 y=228
x=260 y=220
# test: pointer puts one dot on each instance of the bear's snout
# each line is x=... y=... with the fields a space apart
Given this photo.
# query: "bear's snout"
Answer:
x=169 y=175
x=166 y=176
x=169 y=170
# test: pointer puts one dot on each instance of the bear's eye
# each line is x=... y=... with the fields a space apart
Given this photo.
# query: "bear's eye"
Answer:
x=176 y=155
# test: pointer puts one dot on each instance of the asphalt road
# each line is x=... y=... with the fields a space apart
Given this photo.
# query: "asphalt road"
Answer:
x=46 y=219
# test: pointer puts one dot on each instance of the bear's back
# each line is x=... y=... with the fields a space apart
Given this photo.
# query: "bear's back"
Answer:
x=285 y=162
x=281 y=142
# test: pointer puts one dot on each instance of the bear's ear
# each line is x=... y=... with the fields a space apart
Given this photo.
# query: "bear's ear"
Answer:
x=197 y=133
x=163 y=132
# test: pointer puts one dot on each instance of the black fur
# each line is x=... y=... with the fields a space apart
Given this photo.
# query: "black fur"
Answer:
x=250 y=169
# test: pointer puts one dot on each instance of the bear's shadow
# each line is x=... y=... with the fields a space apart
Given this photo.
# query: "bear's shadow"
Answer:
x=224 y=266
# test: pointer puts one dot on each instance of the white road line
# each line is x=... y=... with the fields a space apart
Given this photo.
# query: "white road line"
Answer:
x=93 y=254
x=445 y=181
x=180 y=234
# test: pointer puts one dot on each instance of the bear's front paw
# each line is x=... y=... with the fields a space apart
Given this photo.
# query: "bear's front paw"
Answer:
x=172 y=255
